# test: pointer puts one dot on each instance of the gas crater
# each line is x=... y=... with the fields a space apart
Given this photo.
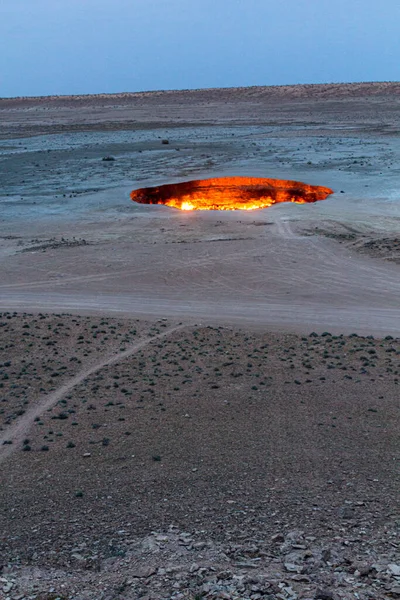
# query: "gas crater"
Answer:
x=230 y=193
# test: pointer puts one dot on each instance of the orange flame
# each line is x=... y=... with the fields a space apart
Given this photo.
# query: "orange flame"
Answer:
x=230 y=193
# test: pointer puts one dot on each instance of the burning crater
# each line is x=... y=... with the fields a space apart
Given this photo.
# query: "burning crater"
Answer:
x=230 y=193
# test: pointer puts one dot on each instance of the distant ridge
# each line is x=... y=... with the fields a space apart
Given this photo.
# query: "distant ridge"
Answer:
x=310 y=90
x=351 y=104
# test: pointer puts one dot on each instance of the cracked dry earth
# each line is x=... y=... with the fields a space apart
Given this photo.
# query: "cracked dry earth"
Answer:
x=160 y=460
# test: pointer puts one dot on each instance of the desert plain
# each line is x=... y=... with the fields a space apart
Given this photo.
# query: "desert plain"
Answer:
x=200 y=404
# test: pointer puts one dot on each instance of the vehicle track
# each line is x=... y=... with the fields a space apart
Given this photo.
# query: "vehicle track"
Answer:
x=279 y=280
x=18 y=431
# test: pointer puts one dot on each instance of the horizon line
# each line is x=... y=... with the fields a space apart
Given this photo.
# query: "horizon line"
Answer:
x=205 y=89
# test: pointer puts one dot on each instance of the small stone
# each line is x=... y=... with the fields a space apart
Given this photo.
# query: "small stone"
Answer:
x=277 y=538
x=86 y=454
x=301 y=578
x=246 y=565
x=292 y=568
x=149 y=544
x=294 y=536
x=395 y=590
x=77 y=556
x=199 y=545
x=324 y=595
x=162 y=538
x=346 y=512
x=364 y=569
x=394 y=569
x=143 y=572
x=326 y=554
x=224 y=575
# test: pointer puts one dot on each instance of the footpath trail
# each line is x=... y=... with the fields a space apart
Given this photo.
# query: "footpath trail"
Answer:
x=18 y=431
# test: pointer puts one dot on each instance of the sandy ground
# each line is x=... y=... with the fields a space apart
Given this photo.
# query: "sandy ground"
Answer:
x=209 y=377
x=279 y=267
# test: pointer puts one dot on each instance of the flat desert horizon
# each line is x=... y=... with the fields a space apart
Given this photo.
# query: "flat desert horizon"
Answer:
x=200 y=403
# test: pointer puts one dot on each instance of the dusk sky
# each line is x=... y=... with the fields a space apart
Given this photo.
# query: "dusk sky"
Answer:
x=92 y=46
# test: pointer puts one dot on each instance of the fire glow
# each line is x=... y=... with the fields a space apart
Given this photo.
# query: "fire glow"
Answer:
x=230 y=193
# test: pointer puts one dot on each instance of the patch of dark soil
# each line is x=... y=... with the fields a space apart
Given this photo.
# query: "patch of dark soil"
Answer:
x=387 y=248
x=54 y=244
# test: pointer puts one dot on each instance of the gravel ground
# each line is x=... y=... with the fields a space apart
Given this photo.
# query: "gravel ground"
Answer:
x=265 y=463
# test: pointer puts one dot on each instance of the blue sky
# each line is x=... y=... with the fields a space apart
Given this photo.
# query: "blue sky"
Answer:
x=93 y=46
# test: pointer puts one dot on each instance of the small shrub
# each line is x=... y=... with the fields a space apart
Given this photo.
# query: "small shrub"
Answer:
x=61 y=416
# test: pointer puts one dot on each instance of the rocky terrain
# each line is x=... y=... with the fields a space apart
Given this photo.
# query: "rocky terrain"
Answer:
x=188 y=566
x=204 y=462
